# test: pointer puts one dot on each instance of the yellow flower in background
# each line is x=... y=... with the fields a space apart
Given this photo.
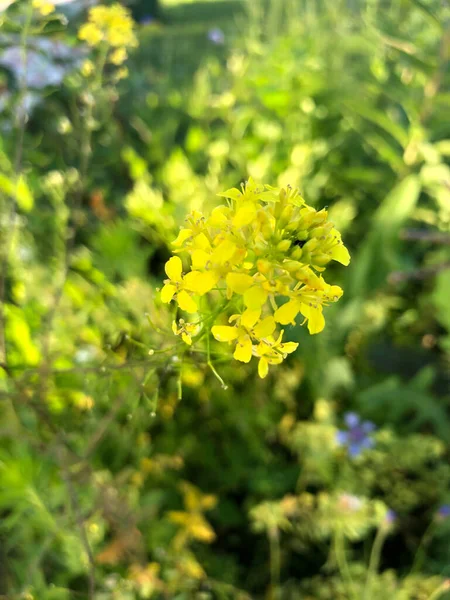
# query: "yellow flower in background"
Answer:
x=261 y=256
x=87 y=68
x=191 y=522
x=119 y=56
x=110 y=24
x=44 y=7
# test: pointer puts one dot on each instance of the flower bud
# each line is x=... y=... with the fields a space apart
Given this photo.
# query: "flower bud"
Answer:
x=321 y=259
x=263 y=265
x=284 y=245
x=297 y=253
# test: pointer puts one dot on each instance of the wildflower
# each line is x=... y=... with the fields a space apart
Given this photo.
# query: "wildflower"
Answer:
x=186 y=330
x=216 y=36
x=390 y=518
x=443 y=512
x=110 y=24
x=119 y=56
x=87 y=68
x=349 y=503
x=191 y=522
x=44 y=7
x=181 y=286
x=147 y=20
x=356 y=438
x=262 y=255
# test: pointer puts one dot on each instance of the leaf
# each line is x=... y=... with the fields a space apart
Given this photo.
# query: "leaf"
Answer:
x=379 y=253
x=18 y=191
x=379 y=118
x=440 y=298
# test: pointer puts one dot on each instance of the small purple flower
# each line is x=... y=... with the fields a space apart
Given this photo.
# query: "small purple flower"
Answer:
x=216 y=36
x=356 y=437
x=443 y=511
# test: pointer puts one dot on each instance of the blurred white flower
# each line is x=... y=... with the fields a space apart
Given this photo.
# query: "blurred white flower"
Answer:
x=5 y=3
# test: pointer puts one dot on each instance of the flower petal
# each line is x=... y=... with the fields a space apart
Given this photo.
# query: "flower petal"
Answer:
x=288 y=347
x=199 y=282
x=186 y=338
x=244 y=215
x=239 y=282
x=316 y=321
x=340 y=254
x=199 y=258
x=263 y=367
x=185 y=302
x=255 y=297
x=243 y=351
x=233 y=194
x=168 y=292
x=224 y=333
x=223 y=252
x=183 y=235
x=287 y=313
x=265 y=327
x=250 y=317
x=173 y=268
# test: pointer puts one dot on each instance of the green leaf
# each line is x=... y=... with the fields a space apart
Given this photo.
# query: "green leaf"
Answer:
x=18 y=191
x=379 y=253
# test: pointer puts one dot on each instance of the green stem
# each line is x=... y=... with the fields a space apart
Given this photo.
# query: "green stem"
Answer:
x=210 y=365
x=420 y=554
x=341 y=559
x=375 y=557
x=444 y=587
x=275 y=561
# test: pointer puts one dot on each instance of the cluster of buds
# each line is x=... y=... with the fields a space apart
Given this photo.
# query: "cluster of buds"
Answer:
x=260 y=256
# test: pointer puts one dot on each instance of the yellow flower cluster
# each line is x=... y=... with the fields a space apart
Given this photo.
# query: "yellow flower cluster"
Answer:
x=263 y=246
x=112 y=25
x=44 y=7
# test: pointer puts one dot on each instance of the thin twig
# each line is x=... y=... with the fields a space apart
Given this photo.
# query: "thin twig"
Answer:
x=422 y=273
x=80 y=523
x=435 y=237
x=103 y=427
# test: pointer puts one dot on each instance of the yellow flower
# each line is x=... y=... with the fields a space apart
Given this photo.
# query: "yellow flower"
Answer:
x=309 y=301
x=110 y=24
x=272 y=352
x=191 y=521
x=263 y=245
x=248 y=327
x=179 y=285
x=175 y=286
x=118 y=56
x=186 y=330
x=87 y=68
x=249 y=192
x=44 y=7
x=121 y=74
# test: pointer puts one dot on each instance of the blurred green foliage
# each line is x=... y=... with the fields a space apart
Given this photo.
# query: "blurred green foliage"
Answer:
x=126 y=472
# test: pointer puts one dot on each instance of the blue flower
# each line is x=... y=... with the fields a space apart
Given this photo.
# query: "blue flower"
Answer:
x=356 y=437
x=147 y=20
x=443 y=511
x=391 y=517
x=216 y=36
